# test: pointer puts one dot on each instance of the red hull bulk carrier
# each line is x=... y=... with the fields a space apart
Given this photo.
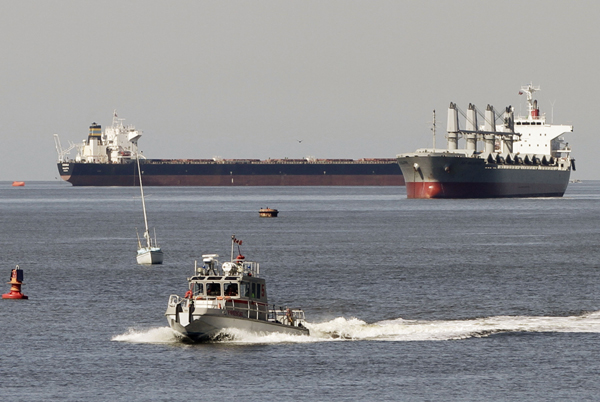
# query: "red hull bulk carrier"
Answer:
x=521 y=157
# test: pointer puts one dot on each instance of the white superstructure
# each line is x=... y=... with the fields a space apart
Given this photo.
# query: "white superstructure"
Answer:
x=118 y=144
x=537 y=136
x=519 y=139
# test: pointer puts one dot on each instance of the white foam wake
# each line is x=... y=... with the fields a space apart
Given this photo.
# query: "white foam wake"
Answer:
x=152 y=335
x=342 y=329
x=419 y=330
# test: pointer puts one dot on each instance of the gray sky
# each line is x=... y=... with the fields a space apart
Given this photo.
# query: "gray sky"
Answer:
x=247 y=79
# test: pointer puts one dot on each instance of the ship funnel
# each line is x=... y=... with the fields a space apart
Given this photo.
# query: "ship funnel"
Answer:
x=535 y=112
x=452 y=127
x=471 y=126
x=95 y=133
x=490 y=127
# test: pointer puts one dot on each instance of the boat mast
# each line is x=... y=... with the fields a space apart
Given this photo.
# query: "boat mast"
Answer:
x=433 y=129
x=532 y=110
x=146 y=234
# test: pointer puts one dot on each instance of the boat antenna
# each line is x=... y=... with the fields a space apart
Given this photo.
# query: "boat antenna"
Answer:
x=433 y=130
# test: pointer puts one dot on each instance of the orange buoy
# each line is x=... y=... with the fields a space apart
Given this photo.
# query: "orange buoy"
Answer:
x=16 y=280
x=18 y=183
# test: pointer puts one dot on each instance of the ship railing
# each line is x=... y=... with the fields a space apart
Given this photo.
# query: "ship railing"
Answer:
x=252 y=267
x=288 y=316
x=247 y=309
x=174 y=300
x=523 y=167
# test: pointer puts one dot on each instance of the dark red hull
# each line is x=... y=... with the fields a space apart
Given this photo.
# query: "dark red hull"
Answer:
x=481 y=190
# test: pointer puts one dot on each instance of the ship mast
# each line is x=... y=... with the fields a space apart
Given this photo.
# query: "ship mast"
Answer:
x=146 y=234
x=533 y=111
x=433 y=130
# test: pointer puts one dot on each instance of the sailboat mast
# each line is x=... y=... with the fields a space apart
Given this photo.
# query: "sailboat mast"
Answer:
x=146 y=234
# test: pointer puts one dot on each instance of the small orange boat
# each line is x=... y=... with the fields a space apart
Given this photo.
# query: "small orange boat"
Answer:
x=268 y=213
x=18 y=183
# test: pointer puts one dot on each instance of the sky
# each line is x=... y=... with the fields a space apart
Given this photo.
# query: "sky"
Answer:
x=251 y=79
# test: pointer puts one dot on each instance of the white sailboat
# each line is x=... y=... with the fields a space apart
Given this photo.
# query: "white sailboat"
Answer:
x=149 y=253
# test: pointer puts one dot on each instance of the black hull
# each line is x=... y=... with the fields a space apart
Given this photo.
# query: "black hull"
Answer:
x=458 y=177
x=185 y=173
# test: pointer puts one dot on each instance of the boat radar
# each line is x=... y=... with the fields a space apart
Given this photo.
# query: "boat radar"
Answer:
x=16 y=281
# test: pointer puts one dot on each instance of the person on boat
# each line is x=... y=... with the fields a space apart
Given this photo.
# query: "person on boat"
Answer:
x=289 y=316
x=213 y=289
x=231 y=290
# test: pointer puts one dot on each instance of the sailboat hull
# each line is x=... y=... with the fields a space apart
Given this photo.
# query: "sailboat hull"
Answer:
x=149 y=257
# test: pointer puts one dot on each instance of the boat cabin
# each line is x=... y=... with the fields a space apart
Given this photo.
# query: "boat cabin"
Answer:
x=228 y=287
x=238 y=279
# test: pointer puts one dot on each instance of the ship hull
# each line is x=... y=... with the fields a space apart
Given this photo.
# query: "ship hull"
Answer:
x=449 y=176
x=147 y=256
x=181 y=173
x=211 y=322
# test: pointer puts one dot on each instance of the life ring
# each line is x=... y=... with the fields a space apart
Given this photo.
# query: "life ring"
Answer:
x=188 y=294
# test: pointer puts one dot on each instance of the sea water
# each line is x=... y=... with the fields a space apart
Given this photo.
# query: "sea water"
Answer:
x=405 y=299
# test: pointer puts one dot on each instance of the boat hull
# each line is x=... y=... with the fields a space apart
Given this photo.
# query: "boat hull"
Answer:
x=450 y=176
x=149 y=257
x=264 y=173
x=210 y=322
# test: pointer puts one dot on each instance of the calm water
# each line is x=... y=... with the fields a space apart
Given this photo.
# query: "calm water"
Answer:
x=407 y=299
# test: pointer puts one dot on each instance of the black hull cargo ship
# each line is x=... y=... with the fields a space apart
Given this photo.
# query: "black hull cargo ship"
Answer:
x=107 y=159
x=522 y=157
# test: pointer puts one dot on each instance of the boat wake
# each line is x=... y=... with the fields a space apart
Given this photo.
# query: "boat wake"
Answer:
x=153 y=335
x=399 y=330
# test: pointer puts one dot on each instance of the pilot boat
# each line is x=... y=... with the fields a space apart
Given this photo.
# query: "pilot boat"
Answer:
x=231 y=295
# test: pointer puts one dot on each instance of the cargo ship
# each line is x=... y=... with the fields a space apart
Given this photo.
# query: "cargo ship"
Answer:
x=107 y=159
x=522 y=156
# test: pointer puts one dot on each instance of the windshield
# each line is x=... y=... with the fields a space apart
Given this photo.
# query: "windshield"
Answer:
x=198 y=289
x=231 y=289
x=213 y=289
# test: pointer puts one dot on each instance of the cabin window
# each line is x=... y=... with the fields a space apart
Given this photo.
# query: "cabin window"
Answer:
x=253 y=295
x=245 y=289
x=258 y=290
x=231 y=289
x=198 y=289
x=213 y=289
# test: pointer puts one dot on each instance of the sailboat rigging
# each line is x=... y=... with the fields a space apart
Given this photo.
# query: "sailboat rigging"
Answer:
x=149 y=253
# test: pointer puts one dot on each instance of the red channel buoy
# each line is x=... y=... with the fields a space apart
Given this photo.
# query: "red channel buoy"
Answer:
x=16 y=280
